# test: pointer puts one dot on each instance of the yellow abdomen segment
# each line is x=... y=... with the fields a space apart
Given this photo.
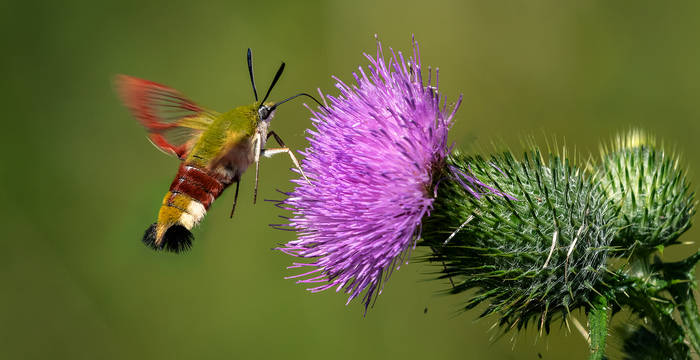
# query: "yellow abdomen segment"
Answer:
x=178 y=208
x=178 y=214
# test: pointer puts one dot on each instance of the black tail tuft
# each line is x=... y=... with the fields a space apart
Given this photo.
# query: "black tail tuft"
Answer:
x=149 y=237
x=176 y=239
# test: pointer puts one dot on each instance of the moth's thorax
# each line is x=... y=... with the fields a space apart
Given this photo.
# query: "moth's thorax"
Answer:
x=227 y=130
x=226 y=149
x=233 y=161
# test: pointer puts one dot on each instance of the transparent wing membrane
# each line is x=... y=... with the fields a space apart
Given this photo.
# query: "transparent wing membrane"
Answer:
x=173 y=122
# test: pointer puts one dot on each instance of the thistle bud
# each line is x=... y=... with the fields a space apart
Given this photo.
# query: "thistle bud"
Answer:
x=533 y=244
x=649 y=191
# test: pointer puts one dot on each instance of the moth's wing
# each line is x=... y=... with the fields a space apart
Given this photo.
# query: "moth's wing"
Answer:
x=173 y=122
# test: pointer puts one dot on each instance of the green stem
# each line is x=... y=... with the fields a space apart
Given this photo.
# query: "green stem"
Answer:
x=688 y=311
x=598 y=323
x=681 y=276
x=671 y=334
x=646 y=299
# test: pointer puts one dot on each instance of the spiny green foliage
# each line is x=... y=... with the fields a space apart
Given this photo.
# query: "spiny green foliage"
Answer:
x=645 y=289
x=503 y=246
x=539 y=238
x=649 y=191
x=640 y=343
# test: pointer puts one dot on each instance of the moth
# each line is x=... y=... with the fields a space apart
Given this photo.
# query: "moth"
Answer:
x=215 y=149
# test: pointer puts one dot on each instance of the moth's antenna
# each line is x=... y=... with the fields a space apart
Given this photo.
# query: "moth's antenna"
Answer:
x=274 y=81
x=250 y=70
x=296 y=96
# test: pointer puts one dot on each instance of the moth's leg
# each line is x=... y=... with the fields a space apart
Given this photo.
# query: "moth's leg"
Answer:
x=235 y=198
x=258 y=151
x=283 y=149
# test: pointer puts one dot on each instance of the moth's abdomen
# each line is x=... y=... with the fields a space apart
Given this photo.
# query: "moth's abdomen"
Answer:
x=184 y=206
x=197 y=184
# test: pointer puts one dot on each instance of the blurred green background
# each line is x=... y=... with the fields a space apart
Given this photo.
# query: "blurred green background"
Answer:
x=80 y=182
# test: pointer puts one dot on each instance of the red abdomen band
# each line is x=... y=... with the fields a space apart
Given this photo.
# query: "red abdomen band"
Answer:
x=197 y=184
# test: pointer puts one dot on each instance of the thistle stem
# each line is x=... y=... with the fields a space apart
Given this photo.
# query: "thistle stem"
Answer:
x=598 y=323
x=681 y=277
x=646 y=300
x=671 y=334
x=688 y=311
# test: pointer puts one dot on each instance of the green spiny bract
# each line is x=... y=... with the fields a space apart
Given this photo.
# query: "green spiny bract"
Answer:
x=649 y=191
x=504 y=247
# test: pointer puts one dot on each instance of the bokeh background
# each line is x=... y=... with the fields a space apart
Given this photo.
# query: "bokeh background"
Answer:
x=79 y=182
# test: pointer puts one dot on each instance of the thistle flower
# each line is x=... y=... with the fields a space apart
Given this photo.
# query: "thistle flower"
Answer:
x=373 y=158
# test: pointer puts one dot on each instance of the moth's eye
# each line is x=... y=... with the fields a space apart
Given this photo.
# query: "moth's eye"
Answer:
x=264 y=112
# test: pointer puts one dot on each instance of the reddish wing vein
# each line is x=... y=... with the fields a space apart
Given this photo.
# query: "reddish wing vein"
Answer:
x=173 y=122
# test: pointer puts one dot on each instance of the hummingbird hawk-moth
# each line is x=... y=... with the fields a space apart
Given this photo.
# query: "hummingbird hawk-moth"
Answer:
x=214 y=148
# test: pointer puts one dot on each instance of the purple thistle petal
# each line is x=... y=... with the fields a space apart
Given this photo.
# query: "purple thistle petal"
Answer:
x=460 y=176
x=371 y=160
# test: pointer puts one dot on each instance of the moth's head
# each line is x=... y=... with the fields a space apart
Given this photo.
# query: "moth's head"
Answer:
x=265 y=109
x=266 y=112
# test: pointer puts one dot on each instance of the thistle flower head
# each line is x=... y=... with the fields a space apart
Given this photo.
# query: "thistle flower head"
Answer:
x=372 y=159
x=531 y=255
x=650 y=192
